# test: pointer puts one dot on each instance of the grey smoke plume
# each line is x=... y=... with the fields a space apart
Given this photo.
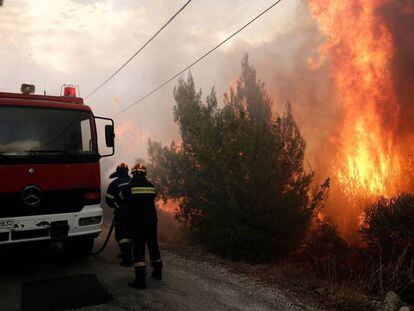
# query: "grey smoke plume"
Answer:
x=399 y=18
x=82 y=42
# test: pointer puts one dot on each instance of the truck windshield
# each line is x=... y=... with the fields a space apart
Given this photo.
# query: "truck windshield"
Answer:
x=37 y=131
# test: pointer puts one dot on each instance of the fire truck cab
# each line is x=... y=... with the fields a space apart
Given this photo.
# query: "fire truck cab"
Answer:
x=49 y=170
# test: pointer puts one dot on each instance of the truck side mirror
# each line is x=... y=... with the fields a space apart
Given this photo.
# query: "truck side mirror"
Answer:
x=109 y=136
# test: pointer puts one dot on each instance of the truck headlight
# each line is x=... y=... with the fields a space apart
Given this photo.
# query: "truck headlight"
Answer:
x=87 y=221
x=93 y=197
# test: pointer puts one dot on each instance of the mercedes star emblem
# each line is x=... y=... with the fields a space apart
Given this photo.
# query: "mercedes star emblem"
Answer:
x=31 y=195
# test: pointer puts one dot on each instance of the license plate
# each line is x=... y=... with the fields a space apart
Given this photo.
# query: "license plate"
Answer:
x=7 y=223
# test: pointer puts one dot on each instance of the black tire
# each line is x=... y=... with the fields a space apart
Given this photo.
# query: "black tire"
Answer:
x=78 y=248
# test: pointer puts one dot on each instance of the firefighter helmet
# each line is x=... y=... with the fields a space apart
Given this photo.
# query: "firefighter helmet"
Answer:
x=122 y=166
x=139 y=169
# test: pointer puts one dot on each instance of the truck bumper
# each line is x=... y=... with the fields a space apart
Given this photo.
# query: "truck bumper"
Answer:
x=40 y=227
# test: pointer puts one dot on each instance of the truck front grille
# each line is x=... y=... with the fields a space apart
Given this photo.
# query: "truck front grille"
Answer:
x=52 y=202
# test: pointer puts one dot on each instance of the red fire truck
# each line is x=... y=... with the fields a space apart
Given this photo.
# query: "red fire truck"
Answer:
x=49 y=170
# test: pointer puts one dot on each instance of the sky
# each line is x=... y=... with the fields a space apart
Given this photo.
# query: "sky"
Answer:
x=50 y=43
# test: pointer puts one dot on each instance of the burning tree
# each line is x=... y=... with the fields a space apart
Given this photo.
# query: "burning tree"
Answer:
x=238 y=173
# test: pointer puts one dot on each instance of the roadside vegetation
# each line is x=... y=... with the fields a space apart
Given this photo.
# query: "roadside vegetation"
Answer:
x=244 y=193
x=238 y=172
x=382 y=262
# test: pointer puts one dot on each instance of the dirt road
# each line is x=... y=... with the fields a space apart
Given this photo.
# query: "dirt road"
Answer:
x=40 y=279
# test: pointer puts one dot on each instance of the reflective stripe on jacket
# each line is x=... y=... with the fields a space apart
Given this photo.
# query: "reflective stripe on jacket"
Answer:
x=139 y=197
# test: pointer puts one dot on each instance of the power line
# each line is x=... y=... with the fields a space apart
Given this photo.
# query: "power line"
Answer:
x=197 y=60
x=137 y=52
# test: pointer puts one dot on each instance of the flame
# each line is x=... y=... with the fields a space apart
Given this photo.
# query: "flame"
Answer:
x=360 y=48
x=170 y=207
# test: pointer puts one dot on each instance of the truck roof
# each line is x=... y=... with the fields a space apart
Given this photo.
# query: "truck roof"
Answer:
x=65 y=102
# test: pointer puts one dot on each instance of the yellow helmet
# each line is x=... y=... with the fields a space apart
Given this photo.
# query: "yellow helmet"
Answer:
x=139 y=168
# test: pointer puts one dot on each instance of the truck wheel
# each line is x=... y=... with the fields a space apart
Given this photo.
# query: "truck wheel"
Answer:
x=78 y=248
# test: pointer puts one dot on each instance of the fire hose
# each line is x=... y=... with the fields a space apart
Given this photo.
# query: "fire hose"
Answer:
x=100 y=250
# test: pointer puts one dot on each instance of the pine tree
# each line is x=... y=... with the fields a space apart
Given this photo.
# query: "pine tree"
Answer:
x=239 y=173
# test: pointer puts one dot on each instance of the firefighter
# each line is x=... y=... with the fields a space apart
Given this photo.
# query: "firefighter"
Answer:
x=140 y=198
x=112 y=199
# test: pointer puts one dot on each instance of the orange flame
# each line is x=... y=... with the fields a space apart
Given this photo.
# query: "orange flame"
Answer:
x=170 y=207
x=360 y=49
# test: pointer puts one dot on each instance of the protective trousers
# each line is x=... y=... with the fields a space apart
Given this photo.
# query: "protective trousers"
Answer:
x=123 y=237
x=146 y=234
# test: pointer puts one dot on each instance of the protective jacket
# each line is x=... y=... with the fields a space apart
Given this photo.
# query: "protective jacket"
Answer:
x=139 y=196
x=114 y=188
x=122 y=234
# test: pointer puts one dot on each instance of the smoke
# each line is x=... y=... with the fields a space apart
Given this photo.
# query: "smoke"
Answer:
x=399 y=18
x=308 y=88
x=170 y=230
x=173 y=50
x=83 y=42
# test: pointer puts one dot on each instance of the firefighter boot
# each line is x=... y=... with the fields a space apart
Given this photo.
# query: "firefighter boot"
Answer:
x=139 y=281
x=126 y=254
x=157 y=270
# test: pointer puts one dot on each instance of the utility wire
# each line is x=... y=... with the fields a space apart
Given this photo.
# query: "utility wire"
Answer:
x=137 y=52
x=198 y=60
